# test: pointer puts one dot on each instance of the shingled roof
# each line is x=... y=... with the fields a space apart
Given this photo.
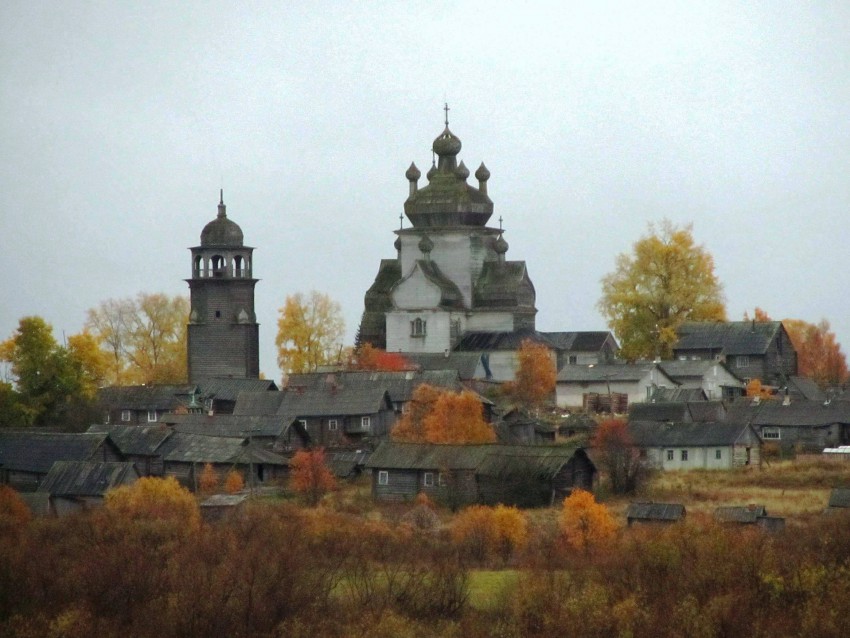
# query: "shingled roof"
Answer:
x=258 y=403
x=400 y=385
x=728 y=337
x=796 y=413
x=37 y=451
x=465 y=363
x=332 y=399
x=587 y=341
x=693 y=369
x=478 y=341
x=200 y=448
x=504 y=285
x=692 y=411
x=746 y=514
x=229 y=425
x=609 y=372
x=660 y=512
x=86 y=478
x=657 y=434
x=145 y=397
x=227 y=389
x=135 y=440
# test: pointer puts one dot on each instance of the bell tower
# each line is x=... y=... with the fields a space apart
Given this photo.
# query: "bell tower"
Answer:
x=223 y=333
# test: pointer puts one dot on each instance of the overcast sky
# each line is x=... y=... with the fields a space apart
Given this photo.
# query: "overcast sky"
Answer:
x=120 y=121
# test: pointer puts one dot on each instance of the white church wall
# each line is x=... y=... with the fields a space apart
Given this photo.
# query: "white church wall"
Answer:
x=416 y=292
x=435 y=339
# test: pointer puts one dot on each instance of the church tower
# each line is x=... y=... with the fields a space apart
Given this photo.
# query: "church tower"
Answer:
x=223 y=336
x=450 y=276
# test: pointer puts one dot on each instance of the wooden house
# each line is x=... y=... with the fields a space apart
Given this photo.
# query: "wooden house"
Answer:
x=26 y=457
x=655 y=513
x=807 y=425
x=635 y=381
x=73 y=486
x=219 y=394
x=489 y=473
x=839 y=499
x=144 y=404
x=138 y=444
x=583 y=347
x=714 y=378
x=749 y=515
x=750 y=349
x=219 y=507
x=679 y=412
x=690 y=446
x=497 y=351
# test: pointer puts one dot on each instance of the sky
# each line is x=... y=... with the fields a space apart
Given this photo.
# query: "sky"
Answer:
x=120 y=122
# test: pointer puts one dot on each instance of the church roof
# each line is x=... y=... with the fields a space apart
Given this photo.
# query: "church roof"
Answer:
x=504 y=284
x=221 y=231
x=451 y=296
x=447 y=200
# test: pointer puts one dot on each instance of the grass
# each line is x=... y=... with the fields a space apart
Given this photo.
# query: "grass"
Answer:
x=487 y=587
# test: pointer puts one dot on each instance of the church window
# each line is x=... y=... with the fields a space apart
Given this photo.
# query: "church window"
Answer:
x=199 y=261
x=418 y=327
x=238 y=266
x=218 y=265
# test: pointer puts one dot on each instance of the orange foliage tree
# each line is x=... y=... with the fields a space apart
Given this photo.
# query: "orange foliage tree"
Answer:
x=756 y=389
x=208 y=481
x=619 y=456
x=13 y=511
x=586 y=524
x=234 y=482
x=443 y=416
x=759 y=316
x=310 y=475
x=154 y=498
x=368 y=357
x=819 y=354
x=535 y=377
x=482 y=532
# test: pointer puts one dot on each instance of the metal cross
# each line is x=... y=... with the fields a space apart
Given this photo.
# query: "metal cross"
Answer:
x=500 y=222
x=400 y=221
x=446 y=109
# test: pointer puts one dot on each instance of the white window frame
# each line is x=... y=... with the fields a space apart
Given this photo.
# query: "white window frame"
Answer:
x=771 y=434
x=303 y=422
x=383 y=477
x=684 y=456
x=418 y=327
x=333 y=424
x=671 y=455
x=428 y=479
x=365 y=423
x=151 y=412
x=125 y=415
x=108 y=417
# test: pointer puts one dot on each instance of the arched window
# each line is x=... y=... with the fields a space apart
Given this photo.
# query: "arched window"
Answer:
x=218 y=265
x=417 y=327
x=238 y=266
x=199 y=262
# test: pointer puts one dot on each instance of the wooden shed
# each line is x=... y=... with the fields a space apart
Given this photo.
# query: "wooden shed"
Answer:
x=79 y=485
x=655 y=513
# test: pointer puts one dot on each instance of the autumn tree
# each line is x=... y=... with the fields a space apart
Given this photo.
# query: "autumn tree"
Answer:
x=208 y=481
x=443 y=416
x=483 y=532
x=310 y=475
x=619 y=456
x=234 y=482
x=144 y=338
x=154 y=498
x=534 y=382
x=665 y=281
x=309 y=332
x=368 y=357
x=819 y=354
x=586 y=524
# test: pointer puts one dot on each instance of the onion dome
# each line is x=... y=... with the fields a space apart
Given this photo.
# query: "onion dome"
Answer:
x=462 y=171
x=501 y=246
x=397 y=243
x=413 y=174
x=446 y=144
x=221 y=231
x=426 y=245
x=482 y=174
x=431 y=172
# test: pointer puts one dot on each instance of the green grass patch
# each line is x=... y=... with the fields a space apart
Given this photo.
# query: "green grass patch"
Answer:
x=488 y=587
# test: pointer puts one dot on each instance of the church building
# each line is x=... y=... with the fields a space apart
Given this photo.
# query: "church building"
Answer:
x=450 y=276
x=223 y=334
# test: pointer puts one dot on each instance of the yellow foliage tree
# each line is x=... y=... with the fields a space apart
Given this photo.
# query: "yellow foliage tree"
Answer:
x=586 y=524
x=155 y=498
x=483 y=532
x=535 y=377
x=819 y=354
x=667 y=280
x=234 y=482
x=309 y=332
x=84 y=349
x=443 y=416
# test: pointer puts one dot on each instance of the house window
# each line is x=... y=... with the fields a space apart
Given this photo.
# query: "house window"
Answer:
x=303 y=423
x=365 y=422
x=208 y=405
x=684 y=455
x=770 y=433
x=383 y=477
x=573 y=359
x=151 y=416
x=332 y=424
x=125 y=415
x=742 y=362
x=669 y=455
x=428 y=479
x=106 y=420
x=718 y=454
x=441 y=479
x=418 y=327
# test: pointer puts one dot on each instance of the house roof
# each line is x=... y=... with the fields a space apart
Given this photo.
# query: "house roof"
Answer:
x=257 y=403
x=200 y=448
x=657 y=434
x=620 y=372
x=805 y=388
x=676 y=395
x=478 y=341
x=587 y=341
x=38 y=451
x=227 y=389
x=135 y=440
x=839 y=497
x=343 y=463
x=740 y=513
x=655 y=511
x=691 y=411
x=145 y=397
x=796 y=413
x=504 y=285
x=465 y=363
x=86 y=478
x=229 y=425
x=694 y=369
x=489 y=459
x=729 y=337
x=400 y=385
x=225 y=500
x=333 y=399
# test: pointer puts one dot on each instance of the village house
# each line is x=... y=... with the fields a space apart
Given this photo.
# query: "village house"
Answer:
x=26 y=457
x=583 y=347
x=681 y=412
x=73 y=486
x=689 y=446
x=750 y=349
x=138 y=444
x=749 y=515
x=654 y=513
x=487 y=473
x=634 y=382
x=498 y=351
x=144 y=404
x=714 y=378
